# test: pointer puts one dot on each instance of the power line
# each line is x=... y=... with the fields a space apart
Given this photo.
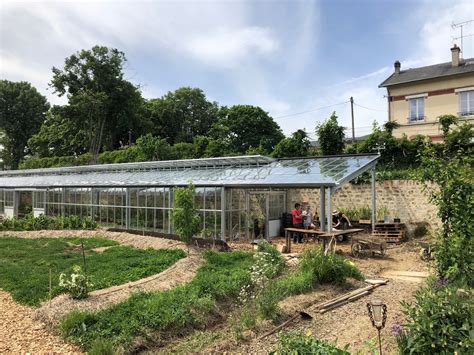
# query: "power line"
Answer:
x=369 y=108
x=312 y=110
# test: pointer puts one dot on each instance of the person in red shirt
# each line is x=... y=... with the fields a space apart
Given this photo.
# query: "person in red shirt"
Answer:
x=297 y=223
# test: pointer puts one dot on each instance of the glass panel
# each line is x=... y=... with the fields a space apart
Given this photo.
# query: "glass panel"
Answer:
x=200 y=197
x=210 y=198
x=309 y=172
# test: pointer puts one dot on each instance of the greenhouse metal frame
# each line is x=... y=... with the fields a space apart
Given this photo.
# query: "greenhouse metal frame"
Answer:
x=139 y=196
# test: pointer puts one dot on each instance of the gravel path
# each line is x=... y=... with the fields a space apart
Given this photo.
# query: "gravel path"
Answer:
x=20 y=333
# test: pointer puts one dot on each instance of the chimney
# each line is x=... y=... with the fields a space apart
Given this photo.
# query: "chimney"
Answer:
x=455 y=55
x=397 y=66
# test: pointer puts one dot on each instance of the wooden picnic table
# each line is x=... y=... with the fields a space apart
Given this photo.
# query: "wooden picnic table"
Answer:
x=327 y=237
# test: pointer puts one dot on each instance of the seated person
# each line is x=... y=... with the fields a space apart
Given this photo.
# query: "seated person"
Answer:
x=340 y=220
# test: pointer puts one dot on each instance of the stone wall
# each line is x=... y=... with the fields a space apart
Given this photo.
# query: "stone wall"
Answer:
x=404 y=199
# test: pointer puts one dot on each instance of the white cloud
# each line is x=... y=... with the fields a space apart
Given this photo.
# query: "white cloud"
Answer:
x=228 y=48
x=437 y=34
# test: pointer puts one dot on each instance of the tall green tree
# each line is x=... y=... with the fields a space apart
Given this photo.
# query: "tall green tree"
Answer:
x=105 y=106
x=22 y=111
x=181 y=115
x=295 y=146
x=331 y=136
x=249 y=127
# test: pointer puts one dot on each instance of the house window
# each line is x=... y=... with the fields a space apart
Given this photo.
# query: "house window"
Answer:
x=466 y=103
x=417 y=109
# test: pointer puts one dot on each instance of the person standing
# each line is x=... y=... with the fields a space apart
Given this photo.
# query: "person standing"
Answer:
x=297 y=222
x=308 y=218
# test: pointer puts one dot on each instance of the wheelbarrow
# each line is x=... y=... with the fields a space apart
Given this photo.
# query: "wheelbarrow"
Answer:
x=368 y=245
x=427 y=251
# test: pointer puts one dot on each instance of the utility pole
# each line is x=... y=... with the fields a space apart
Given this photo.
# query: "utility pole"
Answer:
x=352 y=114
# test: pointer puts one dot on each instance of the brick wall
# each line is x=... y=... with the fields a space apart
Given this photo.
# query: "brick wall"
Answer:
x=404 y=199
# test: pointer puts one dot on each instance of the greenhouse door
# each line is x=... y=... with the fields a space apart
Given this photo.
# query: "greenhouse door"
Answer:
x=265 y=211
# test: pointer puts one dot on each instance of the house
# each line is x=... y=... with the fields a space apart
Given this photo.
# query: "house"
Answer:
x=417 y=97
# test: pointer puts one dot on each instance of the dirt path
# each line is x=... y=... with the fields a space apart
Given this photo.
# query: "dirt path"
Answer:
x=20 y=333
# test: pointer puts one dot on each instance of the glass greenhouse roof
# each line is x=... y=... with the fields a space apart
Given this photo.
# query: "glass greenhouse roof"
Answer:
x=247 y=171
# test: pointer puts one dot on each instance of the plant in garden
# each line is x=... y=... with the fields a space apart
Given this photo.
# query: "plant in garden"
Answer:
x=185 y=216
x=76 y=284
x=260 y=296
x=439 y=322
x=296 y=343
x=452 y=174
x=328 y=268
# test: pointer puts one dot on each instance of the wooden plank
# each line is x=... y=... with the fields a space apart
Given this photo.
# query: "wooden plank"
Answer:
x=423 y=274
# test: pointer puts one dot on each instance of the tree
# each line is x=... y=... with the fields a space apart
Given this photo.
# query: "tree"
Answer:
x=102 y=104
x=153 y=148
x=295 y=146
x=22 y=111
x=181 y=115
x=59 y=135
x=249 y=127
x=186 y=219
x=330 y=136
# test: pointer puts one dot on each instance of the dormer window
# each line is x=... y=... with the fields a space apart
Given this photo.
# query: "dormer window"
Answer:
x=416 y=107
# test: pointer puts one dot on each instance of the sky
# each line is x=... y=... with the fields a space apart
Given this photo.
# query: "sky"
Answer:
x=298 y=60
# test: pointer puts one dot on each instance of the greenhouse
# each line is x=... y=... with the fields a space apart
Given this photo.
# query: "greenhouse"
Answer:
x=231 y=192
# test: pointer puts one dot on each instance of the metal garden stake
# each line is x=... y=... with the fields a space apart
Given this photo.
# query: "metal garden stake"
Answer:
x=378 y=315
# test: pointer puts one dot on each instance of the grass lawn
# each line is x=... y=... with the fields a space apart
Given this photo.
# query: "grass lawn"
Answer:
x=25 y=264
x=184 y=307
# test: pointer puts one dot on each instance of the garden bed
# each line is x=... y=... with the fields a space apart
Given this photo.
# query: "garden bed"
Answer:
x=26 y=264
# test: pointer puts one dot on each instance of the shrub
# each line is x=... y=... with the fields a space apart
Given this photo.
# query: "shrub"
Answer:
x=299 y=343
x=76 y=284
x=328 y=268
x=43 y=222
x=420 y=231
x=440 y=322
